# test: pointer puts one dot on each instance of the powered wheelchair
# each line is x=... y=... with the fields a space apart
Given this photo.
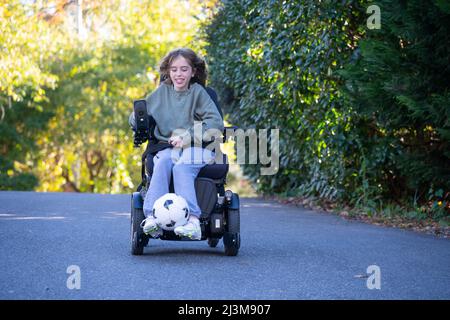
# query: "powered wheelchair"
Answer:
x=220 y=217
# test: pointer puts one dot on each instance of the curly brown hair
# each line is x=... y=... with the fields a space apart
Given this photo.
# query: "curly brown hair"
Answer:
x=197 y=63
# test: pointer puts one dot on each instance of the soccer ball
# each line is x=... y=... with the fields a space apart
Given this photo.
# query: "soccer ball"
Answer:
x=170 y=211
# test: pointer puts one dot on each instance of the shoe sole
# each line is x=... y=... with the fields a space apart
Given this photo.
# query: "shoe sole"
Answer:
x=149 y=232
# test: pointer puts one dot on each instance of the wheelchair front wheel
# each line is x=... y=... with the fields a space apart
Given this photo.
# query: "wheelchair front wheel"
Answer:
x=138 y=239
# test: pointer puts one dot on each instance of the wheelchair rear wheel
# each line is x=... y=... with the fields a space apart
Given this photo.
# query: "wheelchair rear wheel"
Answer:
x=232 y=237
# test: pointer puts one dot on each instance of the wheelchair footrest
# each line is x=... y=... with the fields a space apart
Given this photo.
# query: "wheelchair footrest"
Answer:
x=170 y=235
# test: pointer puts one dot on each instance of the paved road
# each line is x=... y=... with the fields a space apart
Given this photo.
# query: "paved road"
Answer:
x=286 y=253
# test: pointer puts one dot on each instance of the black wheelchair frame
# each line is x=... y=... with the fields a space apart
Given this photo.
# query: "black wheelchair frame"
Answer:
x=220 y=216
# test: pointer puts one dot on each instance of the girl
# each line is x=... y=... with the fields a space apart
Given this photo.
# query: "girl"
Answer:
x=178 y=105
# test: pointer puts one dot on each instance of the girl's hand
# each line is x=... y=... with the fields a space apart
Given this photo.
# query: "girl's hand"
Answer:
x=176 y=141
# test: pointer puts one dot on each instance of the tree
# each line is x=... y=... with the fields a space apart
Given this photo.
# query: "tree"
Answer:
x=24 y=82
x=84 y=142
x=363 y=113
x=398 y=95
x=275 y=65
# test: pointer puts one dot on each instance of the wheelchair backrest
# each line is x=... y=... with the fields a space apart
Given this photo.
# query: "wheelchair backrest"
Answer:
x=212 y=93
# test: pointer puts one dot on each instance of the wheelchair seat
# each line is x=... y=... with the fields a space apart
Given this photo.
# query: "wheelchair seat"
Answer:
x=215 y=171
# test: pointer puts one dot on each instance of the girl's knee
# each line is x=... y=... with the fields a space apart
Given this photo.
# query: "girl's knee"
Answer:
x=196 y=156
x=181 y=168
x=147 y=210
x=162 y=161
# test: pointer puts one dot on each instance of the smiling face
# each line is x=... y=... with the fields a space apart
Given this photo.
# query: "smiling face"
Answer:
x=181 y=73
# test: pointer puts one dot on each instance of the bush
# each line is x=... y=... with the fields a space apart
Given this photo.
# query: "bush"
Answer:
x=398 y=96
x=275 y=64
x=363 y=114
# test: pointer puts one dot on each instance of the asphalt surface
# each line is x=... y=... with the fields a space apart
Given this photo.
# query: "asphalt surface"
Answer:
x=52 y=242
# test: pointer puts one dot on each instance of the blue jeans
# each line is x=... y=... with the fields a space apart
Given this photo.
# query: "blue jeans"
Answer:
x=185 y=165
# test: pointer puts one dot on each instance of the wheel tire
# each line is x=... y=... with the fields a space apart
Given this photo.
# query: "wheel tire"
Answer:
x=232 y=237
x=138 y=239
x=233 y=221
x=232 y=249
x=212 y=242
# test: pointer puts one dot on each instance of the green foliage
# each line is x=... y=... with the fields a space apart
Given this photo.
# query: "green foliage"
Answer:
x=398 y=96
x=18 y=181
x=274 y=63
x=67 y=87
x=363 y=114
x=18 y=132
x=89 y=132
x=22 y=69
x=23 y=84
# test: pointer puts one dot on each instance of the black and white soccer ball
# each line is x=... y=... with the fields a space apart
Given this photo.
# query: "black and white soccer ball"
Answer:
x=171 y=211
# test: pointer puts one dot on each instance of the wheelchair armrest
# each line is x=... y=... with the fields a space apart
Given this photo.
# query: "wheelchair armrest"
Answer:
x=144 y=123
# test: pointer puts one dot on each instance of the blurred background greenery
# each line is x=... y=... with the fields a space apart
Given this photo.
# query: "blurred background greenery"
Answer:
x=70 y=71
x=363 y=113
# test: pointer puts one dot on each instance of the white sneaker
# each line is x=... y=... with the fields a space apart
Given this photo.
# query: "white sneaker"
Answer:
x=151 y=228
x=191 y=230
